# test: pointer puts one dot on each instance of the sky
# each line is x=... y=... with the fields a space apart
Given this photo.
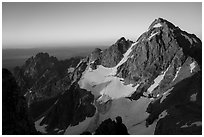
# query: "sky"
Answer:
x=35 y=25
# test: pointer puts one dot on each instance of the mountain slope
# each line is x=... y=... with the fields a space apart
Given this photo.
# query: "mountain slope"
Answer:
x=153 y=84
x=44 y=76
x=183 y=107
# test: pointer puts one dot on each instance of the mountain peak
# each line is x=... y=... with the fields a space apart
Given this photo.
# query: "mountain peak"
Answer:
x=160 y=22
x=122 y=39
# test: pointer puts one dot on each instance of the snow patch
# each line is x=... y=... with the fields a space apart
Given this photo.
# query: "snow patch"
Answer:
x=152 y=35
x=92 y=62
x=157 y=81
x=60 y=131
x=197 y=123
x=132 y=56
x=163 y=114
x=117 y=89
x=126 y=55
x=79 y=64
x=95 y=77
x=70 y=70
x=193 y=97
x=157 y=25
x=192 y=66
x=133 y=114
x=178 y=69
x=166 y=94
x=40 y=128
x=184 y=126
x=102 y=81
x=177 y=123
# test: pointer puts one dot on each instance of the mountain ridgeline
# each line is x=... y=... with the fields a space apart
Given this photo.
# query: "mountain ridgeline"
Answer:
x=151 y=86
x=44 y=76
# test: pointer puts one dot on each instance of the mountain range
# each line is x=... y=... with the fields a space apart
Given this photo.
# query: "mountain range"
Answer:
x=151 y=86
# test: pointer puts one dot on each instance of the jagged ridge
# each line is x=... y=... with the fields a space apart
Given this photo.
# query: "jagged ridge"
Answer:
x=156 y=67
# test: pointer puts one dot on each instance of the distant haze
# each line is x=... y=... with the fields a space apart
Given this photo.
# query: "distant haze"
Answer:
x=17 y=57
x=35 y=25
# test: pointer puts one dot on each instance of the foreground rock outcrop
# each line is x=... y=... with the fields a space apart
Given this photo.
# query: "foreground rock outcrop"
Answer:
x=15 y=117
x=73 y=107
x=109 y=127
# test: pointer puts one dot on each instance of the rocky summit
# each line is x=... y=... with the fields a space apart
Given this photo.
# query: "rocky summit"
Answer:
x=44 y=76
x=151 y=86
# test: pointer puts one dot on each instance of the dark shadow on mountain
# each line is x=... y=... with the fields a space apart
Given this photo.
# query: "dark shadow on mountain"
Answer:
x=111 y=127
x=180 y=107
x=72 y=107
x=15 y=118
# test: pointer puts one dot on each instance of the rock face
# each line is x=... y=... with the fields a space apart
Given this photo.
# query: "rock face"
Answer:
x=184 y=108
x=71 y=108
x=15 y=118
x=44 y=76
x=95 y=58
x=162 y=47
x=112 y=55
x=153 y=84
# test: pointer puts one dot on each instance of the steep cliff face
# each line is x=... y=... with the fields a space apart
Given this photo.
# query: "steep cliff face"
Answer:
x=112 y=56
x=163 y=48
x=44 y=76
x=15 y=118
x=183 y=108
